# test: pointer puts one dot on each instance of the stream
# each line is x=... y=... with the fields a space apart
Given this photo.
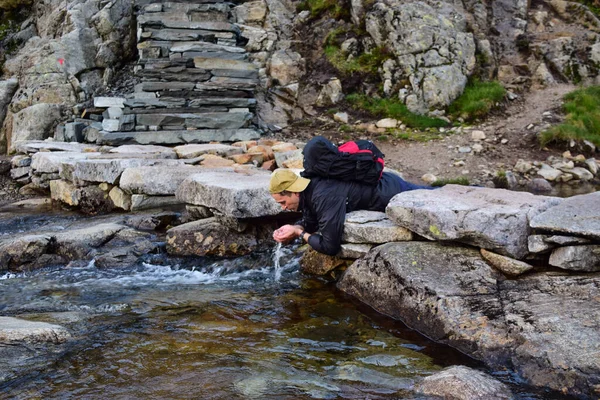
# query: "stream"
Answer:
x=254 y=327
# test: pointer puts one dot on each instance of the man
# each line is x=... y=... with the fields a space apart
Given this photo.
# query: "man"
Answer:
x=325 y=202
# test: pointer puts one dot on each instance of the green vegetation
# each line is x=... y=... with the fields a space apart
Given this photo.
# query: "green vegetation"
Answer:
x=367 y=63
x=477 y=100
x=393 y=108
x=10 y=5
x=338 y=9
x=461 y=180
x=420 y=136
x=582 y=121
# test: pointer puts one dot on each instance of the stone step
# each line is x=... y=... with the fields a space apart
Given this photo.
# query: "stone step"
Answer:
x=163 y=49
x=174 y=74
x=210 y=120
x=185 y=35
x=177 y=103
x=183 y=74
x=215 y=83
x=179 y=110
x=162 y=20
x=178 y=137
x=215 y=10
x=197 y=94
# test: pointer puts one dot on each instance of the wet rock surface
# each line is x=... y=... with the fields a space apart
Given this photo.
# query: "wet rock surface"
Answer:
x=543 y=324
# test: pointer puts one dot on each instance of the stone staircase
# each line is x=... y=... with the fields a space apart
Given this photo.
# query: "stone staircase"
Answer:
x=196 y=83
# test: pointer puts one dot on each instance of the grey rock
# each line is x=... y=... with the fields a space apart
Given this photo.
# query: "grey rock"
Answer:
x=506 y=265
x=372 y=227
x=7 y=89
x=156 y=151
x=539 y=185
x=23 y=249
x=179 y=137
x=120 y=199
x=33 y=146
x=144 y=202
x=99 y=170
x=20 y=160
x=155 y=180
x=17 y=173
x=198 y=212
x=463 y=383
x=430 y=46
x=195 y=150
x=494 y=219
x=282 y=157
x=578 y=215
x=35 y=123
x=203 y=120
x=232 y=194
x=544 y=325
x=75 y=244
x=49 y=162
x=74 y=132
x=106 y=102
x=354 y=250
x=209 y=237
x=16 y=330
x=577 y=258
x=549 y=173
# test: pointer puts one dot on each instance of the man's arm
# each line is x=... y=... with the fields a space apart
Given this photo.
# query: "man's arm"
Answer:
x=331 y=213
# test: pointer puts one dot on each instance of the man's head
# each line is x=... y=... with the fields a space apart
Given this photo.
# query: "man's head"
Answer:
x=285 y=187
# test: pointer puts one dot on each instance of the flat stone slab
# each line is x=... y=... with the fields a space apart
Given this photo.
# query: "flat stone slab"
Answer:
x=156 y=180
x=219 y=63
x=33 y=146
x=20 y=330
x=577 y=215
x=577 y=258
x=106 y=102
x=49 y=162
x=460 y=382
x=109 y=171
x=158 y=151
x=179 y=136
x=213 y=120
x=195 y=150
x=493 y=219
x=232 y=194
x=373 y=227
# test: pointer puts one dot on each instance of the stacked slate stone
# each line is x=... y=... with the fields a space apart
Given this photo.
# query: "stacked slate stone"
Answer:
x=196 y=83
x=570 y=234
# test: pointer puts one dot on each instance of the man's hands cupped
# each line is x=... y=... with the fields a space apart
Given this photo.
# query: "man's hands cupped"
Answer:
x=287 y=233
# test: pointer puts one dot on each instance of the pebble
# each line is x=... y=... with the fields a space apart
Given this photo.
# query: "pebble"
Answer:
x=504 y=141
x=530 y=127
x=459 y=164
x=464 y=149
x=477 y=148
x=478 y=135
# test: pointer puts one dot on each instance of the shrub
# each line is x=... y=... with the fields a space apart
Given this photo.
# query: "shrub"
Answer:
x=392 y=108
x=582 y=122
x=319 y=7
x=477 y=99
x=367 y=63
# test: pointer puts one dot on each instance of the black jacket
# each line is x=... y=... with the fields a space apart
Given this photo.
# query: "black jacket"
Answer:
x=325 y=202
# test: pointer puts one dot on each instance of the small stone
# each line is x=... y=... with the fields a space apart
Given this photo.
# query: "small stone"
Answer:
x=464 y=149
x=506 y=265
x=530 y=127
x=567 y=155
x=387 y=123
x=478 y=135
x=429 y=178
x=341 y=117
x=477 y=148
x=459 y=163
x=592 y=165
x=539 y=185
x=504 y=141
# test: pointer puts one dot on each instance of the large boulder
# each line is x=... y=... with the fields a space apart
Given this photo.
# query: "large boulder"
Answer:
x=431 y=49
x=7 y=89
x=34 y=123
x=543 y=325
x=231 y=194
x=493 y=219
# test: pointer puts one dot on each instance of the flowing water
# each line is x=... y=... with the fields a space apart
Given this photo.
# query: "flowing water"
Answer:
x=214 y=330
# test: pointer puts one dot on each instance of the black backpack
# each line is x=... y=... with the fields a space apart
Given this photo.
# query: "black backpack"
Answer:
x=360 y=161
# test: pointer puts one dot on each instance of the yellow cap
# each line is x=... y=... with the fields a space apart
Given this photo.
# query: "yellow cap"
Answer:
x=286 y=179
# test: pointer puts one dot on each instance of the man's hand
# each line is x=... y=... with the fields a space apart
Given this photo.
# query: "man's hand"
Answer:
x=287 y=233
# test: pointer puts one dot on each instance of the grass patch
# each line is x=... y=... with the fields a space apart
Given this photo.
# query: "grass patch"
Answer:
x=477 y=100
x=367 y=63
x=582 y=121
x=461 y=180
x=338 y=9
x=392 y=108
x=420 y=136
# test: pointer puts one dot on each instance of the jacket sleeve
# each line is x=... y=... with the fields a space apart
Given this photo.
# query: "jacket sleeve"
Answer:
x=331 y=214
x=309 y=221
